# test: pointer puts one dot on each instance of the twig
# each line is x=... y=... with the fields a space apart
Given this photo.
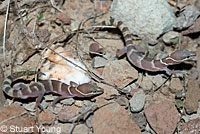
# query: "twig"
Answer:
x=4 y=34
x=162 y=84
x=52 y=3
x=24 y=27
x=13 y=46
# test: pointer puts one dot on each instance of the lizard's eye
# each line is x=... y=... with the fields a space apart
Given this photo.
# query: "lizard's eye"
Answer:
x=188 y=57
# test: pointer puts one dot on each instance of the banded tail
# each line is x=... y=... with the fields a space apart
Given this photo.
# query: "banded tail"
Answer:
x=7 y=83
x=38 y=89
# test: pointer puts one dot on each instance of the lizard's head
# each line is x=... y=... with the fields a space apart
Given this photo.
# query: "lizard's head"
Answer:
x=89 y=90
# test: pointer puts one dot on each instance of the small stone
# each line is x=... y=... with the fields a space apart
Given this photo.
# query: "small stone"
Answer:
x=30 y=106
x=46 y=117
x=43 y=35
x=140 y=120
x=137 y=101
x=99 y=70
x=192 y=97
x=68 y=102
x=186 y=18
x=81 y=129
x=63 y=18
x=188 y=118
x=122 y=101
x=148 y=129
x=44 y=104
x=179 y=103
x=171 y=37
x=67 y=113
x=145 y=83
x=74 y=25
x=95 y=48
x=191 y=127
x=56 y=109
x=114 y=119
x=79 y=103
x=193 y=29
x=63 y=128
x=162 y=117
x=176 y=85
x=157 y=80
x=165 y=91
x=99 y=62
x=197 y=4
x=49 y=97
x=119 y=73
x=193 y=74
x=134 y=88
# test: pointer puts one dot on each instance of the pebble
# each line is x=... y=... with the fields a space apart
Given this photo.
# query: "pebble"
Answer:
x=171 y=37
x=193 y=74
x=192 y=96
x=157 y=80
x=191 y=127
x=120 y=73
x=193 y=29
x=65 y=128
x=46 y=117
x=140 y=120
x=99 y=62
x=186 y=18
x=145 y=83
x=162 y=117
x=95 y=48
x=67 y=113
x=64 y=18
x=30 y=106
x=197 y=4
x=137 y=101
x=67 y=102
x=122 y=101
x=176 y=85
x=43 y=35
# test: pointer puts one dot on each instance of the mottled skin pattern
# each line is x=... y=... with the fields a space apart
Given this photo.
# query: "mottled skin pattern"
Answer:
x=38 y=89
x=138 y=59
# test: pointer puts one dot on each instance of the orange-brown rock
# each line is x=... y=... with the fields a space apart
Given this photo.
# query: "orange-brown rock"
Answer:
x=114 y=119
x=162 y=117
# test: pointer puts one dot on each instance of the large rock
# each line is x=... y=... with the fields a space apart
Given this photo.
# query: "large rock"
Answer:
x=162 y=117
x=114 y=119
x=192 y=97
x=149 y=18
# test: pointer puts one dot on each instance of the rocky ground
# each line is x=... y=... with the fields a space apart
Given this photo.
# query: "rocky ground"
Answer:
x=134 y=101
